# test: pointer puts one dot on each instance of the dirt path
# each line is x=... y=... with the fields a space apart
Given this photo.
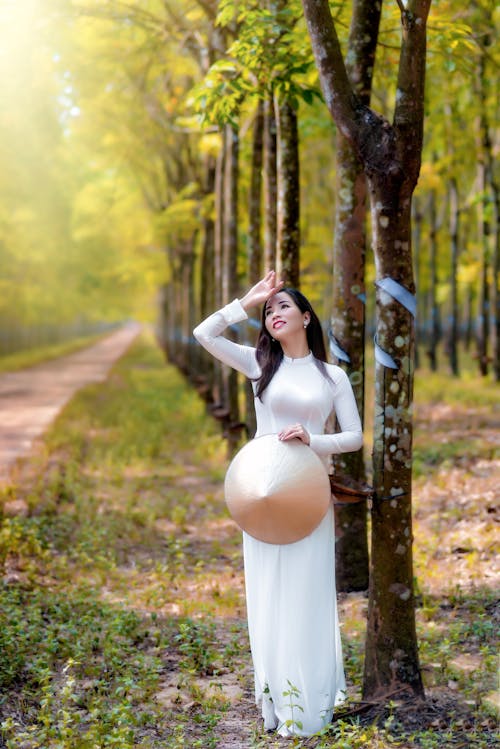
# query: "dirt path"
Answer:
x=31 y=398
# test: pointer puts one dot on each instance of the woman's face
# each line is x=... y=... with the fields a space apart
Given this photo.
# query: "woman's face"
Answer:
x=283 y=319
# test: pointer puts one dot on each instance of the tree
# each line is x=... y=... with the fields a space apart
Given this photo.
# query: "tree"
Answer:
x=391 y=155
x=348 y=314
x=288 y=209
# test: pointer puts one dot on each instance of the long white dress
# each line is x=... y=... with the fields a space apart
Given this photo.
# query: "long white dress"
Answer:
x=290 y=589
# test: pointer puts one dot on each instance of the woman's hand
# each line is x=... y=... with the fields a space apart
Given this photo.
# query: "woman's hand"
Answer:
x=262 y=291
x=295 y=431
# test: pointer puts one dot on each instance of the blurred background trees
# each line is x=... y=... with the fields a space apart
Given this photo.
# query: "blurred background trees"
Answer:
x=113 y=121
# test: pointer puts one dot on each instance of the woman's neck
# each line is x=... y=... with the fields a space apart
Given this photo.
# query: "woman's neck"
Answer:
x=295 y=349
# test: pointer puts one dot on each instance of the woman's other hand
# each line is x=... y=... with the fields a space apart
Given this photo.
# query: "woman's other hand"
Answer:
x=262 y=291
x=295 y=431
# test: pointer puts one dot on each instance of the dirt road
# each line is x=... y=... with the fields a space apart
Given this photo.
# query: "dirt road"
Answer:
x=31 y=398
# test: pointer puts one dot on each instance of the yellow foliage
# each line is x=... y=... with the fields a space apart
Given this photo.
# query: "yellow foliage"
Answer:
x=430 y=178
x=210 y=144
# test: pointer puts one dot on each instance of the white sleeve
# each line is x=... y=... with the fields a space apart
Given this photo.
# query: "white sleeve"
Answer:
x=350 y=438
x=235 y=355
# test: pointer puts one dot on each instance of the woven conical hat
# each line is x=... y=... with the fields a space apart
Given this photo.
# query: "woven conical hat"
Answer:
x=278 y=492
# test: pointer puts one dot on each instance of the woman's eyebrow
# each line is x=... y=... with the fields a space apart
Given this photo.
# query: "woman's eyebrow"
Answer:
x=276 y=301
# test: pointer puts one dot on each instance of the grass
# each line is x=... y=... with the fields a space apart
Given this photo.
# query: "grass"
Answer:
x=122 y=620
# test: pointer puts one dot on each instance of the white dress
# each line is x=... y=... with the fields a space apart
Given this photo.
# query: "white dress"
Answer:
x=290 y=589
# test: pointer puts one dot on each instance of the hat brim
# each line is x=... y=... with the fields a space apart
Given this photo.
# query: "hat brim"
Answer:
x=276 y=491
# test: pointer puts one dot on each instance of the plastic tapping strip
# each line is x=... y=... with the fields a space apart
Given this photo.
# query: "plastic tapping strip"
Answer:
x=409 y=302
x=336 y=350
x=399 y=293
x=383 y=357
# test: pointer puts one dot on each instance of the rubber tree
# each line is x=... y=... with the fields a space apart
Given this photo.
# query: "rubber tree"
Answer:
x=232 y=424
x=417 y=220
x=484 y=169
x=434 y=328
x=488 y=99
x=255 y=246
x=391 y=157
x=288 y=182
x=454 y=224
x=348 y=313
x=260 y=58
x=270 y=184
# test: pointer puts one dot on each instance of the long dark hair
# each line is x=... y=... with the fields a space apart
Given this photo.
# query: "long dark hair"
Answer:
x=269 y=351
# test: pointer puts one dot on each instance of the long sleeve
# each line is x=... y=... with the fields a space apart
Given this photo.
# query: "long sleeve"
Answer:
x=350 y=438
x=209 y=334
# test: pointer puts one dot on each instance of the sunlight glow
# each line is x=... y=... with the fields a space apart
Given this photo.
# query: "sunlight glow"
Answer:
x=19 y=20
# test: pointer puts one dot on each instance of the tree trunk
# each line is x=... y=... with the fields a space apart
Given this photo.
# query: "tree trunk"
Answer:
x=270 y=185
x=390 y=155
x=434 y=332
x=495 y=297
x=207 y=276
x=165 y=322
x=179 y=297
x=206 y=367
x=255 y=200
x=455 y=248
x=255 y=270
x=468 y=315
x=348 y=327
x=417 y=245
x=218 y=388
x=232 y=424
x=483 y=223
x=483 y=323
x=288 y=240
x=486 y=84
x=391 y=657
x=188 y=304
x=348 y=314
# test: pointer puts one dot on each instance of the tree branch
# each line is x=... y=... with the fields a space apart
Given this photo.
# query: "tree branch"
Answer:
x=370 y=134
x=339 y=96
x=209 y=7
x=409 y=109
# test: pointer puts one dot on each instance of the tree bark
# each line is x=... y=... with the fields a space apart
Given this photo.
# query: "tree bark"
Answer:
x=417 y=245
x=391 y=657
x=205 y=370
x=348 y=314
x=188 y=304
x=270 y=185
x=288 y=238
x=390 y=155
x=495 y=297
x=207 y=280
x=434 y=331
x=468 y=316
x=218 y=387
x=486 y=86
x=230 y=277
x=453 y=333
x=255 y=200
x=484 y=151
x=255 y=270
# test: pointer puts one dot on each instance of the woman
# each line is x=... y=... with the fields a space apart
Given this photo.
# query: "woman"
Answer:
x=290 y=589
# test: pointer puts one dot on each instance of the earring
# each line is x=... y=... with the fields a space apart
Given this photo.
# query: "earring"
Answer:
x=305 y=324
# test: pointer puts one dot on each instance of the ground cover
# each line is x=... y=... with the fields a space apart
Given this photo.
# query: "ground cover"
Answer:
x=33 y=356
x=122 y=613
